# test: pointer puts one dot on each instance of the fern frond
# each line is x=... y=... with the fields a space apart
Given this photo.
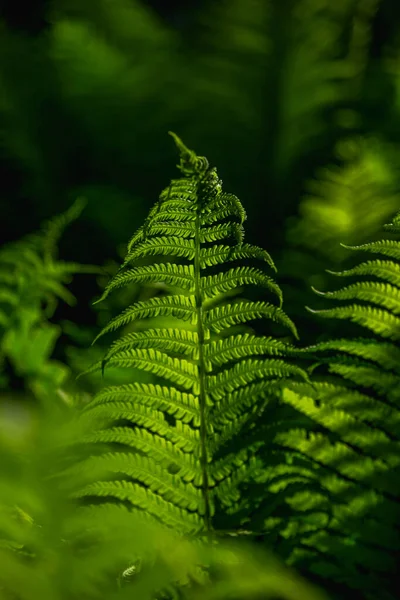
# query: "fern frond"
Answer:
x=30 y=265
x=212 y=382
x=333 y=210
x=32 y=281
x=316 y=74
x=356 y=447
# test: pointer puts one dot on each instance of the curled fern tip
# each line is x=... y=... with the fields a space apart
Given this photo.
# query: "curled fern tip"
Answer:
x=190 y=163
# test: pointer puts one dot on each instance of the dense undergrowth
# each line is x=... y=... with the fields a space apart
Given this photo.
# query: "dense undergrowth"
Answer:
x=199 y=427
x=235 y=392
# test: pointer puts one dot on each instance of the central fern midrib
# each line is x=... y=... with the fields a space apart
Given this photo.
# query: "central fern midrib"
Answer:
x=202 y=376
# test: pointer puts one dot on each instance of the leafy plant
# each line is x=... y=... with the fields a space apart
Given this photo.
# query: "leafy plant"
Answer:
x=32 y=280
x=177 y=461
x=210 y=450
x=355 y=400
x=51 y=547
x=332 y=213
x=233 y=438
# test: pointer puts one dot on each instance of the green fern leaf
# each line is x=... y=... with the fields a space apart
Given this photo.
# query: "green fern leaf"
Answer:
x=32 y=281
x=211 y=382
x=356 y=445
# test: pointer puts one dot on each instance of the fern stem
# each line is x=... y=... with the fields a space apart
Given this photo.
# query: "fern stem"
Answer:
x=202 y=377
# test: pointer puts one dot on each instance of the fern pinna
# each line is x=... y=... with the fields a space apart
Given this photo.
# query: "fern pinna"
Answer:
x=356 y=404
x=171 y=436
